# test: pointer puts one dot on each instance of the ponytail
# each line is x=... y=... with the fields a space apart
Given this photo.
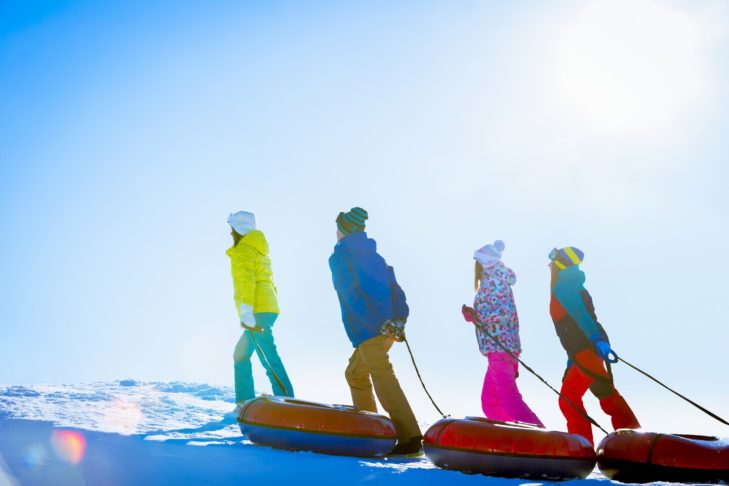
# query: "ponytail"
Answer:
x=477 y=274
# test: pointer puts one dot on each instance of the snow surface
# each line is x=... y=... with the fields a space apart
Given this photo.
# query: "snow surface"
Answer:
x=145 y=433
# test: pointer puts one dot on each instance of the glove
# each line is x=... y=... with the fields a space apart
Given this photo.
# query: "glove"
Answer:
x=247 y=319
x=469 y=313
x=394 y=329
x=603 y=348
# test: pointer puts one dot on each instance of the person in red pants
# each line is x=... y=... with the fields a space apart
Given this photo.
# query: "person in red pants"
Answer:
x=587 y=345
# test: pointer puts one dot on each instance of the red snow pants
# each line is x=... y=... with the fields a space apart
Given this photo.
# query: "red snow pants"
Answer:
x=589 y=373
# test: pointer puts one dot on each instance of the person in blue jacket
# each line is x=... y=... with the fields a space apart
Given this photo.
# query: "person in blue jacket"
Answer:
x=374 y=312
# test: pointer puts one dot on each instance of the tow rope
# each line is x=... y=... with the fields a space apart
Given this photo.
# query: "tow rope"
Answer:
x=267 y=364
x=417 y=371
x=707 y=412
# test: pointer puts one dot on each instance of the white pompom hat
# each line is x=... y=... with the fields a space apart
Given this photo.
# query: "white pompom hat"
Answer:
x=490 y=253
x=242 y=222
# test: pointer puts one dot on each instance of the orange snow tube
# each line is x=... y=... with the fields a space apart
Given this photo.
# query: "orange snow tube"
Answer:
x=287 y=423
x=640 y=457
x=478 y=445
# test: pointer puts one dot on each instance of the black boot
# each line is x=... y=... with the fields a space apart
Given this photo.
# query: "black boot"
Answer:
x=410 y=447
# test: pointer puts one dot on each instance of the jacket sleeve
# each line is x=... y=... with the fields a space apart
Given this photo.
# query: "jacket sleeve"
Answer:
x=350 y=299
x=400 y=309
x=487 y=306
x=572 y=302
x=244 y=277
x=510 y=277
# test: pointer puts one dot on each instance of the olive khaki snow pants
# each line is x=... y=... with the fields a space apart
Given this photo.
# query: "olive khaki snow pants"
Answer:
x=370 y=359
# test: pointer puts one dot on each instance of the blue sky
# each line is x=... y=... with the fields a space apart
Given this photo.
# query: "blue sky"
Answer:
x=132 y=129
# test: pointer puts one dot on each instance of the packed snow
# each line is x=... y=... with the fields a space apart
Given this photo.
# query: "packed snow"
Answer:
x=130 y=432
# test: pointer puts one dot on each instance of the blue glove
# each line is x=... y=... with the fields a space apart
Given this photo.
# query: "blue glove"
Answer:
x=603 y=349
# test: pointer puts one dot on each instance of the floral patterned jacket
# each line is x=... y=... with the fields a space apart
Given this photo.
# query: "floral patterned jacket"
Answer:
x=496 y=309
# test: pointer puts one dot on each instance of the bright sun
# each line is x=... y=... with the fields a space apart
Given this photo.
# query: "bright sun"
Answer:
x=629 y=66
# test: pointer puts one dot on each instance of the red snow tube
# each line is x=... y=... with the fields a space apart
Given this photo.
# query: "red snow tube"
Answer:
x=287 y=423
x=478 y=445
x=639 y=457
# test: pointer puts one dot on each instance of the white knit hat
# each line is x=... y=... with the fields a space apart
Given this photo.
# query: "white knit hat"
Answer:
x=490 y=253
x=242 y=222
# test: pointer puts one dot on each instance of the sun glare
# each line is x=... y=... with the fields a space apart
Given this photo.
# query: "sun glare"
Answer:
x=122 y=416
x=629 y=66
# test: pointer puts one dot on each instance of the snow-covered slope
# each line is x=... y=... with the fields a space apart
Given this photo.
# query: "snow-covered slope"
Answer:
x=130 y=432
x=125 y=407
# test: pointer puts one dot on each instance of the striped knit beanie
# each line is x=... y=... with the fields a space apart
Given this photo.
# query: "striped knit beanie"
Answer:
x=352 y=221
x=566 y=257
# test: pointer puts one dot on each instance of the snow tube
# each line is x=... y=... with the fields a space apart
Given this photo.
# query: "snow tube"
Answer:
x=639 y=457
x=287 y=423
x=478 y=445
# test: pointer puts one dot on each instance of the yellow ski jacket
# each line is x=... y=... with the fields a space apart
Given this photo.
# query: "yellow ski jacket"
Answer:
x=252 y=274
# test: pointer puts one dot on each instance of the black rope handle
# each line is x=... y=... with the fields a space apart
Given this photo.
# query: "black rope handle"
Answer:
x=707 y=412
x=480 y=326
x=417 y=371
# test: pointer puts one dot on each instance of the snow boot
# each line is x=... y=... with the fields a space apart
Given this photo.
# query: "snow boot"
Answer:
x=412 y=447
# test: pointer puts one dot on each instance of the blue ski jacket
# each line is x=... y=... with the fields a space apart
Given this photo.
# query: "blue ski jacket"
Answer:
x=368 y=293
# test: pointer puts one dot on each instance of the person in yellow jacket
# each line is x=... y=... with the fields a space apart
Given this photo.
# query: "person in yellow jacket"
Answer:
x=257 y=304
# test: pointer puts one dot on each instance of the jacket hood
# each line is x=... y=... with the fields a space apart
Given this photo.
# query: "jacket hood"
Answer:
x=257 y=240
x=500 y=270
x=573 y=274
x=357 y=242
x=484 y=259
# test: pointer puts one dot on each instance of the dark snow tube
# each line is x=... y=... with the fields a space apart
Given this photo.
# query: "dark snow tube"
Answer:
x=478 y=445
x=641 y=457
x=286 y=423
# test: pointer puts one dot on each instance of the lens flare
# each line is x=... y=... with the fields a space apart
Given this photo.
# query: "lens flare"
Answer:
x=6 y=479
x=36 y=456
x=69 y=445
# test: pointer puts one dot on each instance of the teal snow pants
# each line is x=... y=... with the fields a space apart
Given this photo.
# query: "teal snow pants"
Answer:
x=267 y=354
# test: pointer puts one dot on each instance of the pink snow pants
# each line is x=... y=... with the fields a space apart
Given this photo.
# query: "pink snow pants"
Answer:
x=500 y=397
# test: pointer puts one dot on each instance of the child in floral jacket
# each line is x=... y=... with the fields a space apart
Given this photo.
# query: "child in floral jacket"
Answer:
x=494 y=303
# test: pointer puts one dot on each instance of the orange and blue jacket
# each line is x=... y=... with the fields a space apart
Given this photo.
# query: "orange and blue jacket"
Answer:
x=573 y=312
